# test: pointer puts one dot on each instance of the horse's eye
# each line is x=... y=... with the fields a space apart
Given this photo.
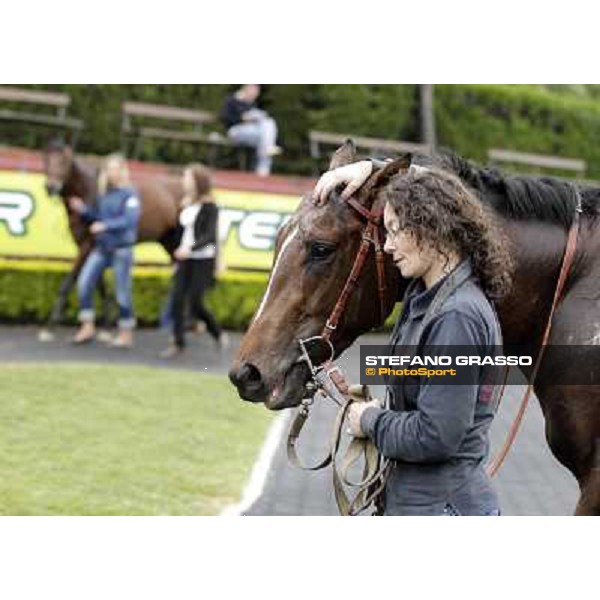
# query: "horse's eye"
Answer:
x=320 y=251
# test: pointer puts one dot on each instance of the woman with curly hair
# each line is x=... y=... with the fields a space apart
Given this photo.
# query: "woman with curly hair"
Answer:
x=444 y=240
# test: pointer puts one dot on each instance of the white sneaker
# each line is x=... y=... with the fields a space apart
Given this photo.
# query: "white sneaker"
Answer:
x=274 y=151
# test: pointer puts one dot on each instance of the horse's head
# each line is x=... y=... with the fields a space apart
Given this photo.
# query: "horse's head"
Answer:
x=314 y=254
x=58 y=160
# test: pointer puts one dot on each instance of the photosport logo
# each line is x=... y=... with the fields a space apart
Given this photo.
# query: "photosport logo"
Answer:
x=16 y=207
x=468 y=365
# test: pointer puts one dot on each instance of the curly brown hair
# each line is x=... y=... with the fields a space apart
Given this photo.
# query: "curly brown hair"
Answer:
x=443 y=213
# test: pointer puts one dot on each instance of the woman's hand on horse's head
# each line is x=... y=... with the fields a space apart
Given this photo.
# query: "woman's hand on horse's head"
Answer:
x=76 y=204
x=352 y=176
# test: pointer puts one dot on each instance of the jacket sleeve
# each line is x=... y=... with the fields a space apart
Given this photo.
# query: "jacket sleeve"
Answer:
x=89 y=214
x=230 y=112
x=128 y=219
x=434 y=431
x=205 y=226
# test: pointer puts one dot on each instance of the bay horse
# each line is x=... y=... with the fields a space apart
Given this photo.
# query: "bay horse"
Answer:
x=66 y=177
x=314 y=253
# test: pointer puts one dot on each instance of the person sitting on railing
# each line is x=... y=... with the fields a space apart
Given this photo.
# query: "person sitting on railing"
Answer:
x=247 y=125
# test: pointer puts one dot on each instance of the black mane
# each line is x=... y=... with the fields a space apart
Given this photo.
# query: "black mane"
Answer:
x=520 y=197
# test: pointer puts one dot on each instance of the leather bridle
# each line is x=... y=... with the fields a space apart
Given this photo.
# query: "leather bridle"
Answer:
x=371 y=236
x=328 y=379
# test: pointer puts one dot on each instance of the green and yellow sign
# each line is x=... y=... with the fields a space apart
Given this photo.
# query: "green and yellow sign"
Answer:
x=32 y=224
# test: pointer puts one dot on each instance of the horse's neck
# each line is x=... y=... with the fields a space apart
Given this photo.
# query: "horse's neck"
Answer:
x=538 y=250
x=81 y=182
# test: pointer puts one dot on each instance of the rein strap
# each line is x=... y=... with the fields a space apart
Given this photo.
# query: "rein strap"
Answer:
x=567 y=262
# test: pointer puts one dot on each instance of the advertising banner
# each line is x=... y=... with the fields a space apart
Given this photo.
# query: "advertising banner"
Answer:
x=34 y=225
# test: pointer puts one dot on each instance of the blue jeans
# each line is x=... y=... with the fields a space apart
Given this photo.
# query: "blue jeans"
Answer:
x=166 y=312
x=261 y=135
x=121 y=260
x=451 y=511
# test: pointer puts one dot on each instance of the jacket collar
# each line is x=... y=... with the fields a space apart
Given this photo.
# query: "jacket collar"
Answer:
x=420 y=298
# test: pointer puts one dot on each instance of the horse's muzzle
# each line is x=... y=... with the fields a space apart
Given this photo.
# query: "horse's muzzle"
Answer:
x=249 y=382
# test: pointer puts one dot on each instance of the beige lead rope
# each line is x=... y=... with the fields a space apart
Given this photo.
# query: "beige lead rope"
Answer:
x=376 y=468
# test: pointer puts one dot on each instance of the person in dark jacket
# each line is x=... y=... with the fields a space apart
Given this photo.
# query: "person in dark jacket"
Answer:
x=249 y=126
x=437 y=436
x=114 y=222
x=196 y=258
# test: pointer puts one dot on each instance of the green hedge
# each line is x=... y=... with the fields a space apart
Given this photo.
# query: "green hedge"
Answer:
x=28 y=291
x=473 y=118
x=100 y=108
x=470 y=118
x=360 y=109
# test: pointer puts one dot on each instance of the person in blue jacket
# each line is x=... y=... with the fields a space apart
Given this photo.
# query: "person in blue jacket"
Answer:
x=114 y=222
x=440 y=237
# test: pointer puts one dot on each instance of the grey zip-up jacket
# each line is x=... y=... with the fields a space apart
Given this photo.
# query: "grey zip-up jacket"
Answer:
x=437 y=435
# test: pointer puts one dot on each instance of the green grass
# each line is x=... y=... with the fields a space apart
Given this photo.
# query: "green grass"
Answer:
x=106 y=440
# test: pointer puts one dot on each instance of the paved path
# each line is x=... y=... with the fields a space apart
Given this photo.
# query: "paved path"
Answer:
x=531 y=481
x=20 y=344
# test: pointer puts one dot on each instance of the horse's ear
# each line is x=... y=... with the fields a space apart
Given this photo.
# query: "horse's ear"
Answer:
x=398 y=165
x=58 y=144
x=344 y=155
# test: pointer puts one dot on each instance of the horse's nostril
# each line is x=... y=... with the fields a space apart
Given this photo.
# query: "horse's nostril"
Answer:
x=249 y=373
x=248 y=381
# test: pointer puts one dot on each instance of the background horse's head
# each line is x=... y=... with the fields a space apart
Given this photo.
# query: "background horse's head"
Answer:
x=66 y=177
x=314 y=253
x=58 y=162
